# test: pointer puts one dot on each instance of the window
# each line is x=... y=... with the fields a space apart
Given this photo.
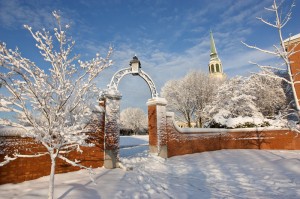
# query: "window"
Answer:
x=212 y=68
x=217 y=68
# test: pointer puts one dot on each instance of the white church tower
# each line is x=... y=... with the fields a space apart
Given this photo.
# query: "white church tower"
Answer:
x=215 y=65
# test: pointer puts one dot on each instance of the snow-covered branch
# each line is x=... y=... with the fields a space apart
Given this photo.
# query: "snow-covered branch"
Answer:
x=266 y=22
x=260 y=49
x=268 y=72
x=75 y=164
x=8 y=159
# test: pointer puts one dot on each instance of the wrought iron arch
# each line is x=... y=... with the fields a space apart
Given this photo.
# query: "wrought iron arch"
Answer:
x=114 y=83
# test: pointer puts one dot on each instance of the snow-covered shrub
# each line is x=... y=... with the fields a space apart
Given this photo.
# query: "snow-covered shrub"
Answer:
x=241 y=102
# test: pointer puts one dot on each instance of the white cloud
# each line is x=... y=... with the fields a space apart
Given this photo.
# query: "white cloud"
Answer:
x=13 y=14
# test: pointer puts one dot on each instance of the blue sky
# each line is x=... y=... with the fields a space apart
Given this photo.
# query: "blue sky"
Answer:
x=170 y=37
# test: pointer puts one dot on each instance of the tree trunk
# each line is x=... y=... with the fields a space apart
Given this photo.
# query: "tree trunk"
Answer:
x=188 y=120
x=200 y=122
x=189 y=124
x=52 y=174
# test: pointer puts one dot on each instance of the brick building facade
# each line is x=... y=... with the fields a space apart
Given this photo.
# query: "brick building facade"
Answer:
x=293 y=46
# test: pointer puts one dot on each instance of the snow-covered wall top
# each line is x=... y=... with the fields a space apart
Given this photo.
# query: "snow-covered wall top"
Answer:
x=11 y=131
x=297 y=36
x=207 y=131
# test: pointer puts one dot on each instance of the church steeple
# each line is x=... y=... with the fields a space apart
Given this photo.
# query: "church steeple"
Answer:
x=215 y=64
x=213 y=50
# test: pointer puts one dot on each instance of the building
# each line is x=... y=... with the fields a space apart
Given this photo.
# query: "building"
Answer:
x=182 y=124
x=215 y=65
x=293 y=46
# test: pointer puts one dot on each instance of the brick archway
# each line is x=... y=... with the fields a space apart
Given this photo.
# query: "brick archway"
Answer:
x=110 y=100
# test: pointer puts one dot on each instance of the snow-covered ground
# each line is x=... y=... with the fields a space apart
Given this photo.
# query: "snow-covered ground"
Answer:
x=133 y=145
x=217 y=174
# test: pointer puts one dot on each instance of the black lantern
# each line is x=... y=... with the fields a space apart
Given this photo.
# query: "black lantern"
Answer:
x=135 y=65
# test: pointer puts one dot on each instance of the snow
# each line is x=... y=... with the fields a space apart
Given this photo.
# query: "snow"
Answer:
x=217 y=174
x=132 y=145
x=135 y=140
x=292 y=38
x=11 y=131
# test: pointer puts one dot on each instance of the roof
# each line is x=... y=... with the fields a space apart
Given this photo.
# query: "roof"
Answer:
x=213 y=49
x=293 y=38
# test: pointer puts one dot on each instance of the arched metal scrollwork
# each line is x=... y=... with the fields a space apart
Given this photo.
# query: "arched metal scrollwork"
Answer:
x=114 y=83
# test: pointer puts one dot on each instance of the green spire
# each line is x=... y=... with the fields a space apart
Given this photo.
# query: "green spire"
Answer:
x=213 y=50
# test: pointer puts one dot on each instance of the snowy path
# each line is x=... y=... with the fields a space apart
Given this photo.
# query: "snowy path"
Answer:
x=218 y=174
x=133 y=145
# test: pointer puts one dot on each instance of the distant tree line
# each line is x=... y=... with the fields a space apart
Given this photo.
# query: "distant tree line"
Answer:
x=133 y=122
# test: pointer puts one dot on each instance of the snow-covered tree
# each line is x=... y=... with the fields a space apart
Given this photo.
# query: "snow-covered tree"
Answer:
x=52 y=105
x=269 y=93
x=282 y=15
x=134 y=119
x=189 y=96
x=233 y=106
x=247 y=102
x=178 y=93
x=203 y=90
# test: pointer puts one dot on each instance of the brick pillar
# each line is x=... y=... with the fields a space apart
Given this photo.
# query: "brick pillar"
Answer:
x=112 y=128
x=157 y=126
x=102 y=114
x=294 y=45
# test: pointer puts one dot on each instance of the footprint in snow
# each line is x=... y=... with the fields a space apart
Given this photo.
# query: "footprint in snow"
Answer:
x=140 y=178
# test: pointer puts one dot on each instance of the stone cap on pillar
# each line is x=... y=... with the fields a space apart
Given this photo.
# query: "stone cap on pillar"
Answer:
x=157 y=101
x=111 y=94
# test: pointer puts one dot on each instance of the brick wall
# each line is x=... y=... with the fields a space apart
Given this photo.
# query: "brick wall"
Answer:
x=187 y=141
x=23 y=169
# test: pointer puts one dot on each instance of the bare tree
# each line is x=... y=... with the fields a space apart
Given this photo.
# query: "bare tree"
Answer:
x=189 y=96
x=134 y=119
x=281 y=50
x=204 y=89
x=178 y=93
x=52 y=103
